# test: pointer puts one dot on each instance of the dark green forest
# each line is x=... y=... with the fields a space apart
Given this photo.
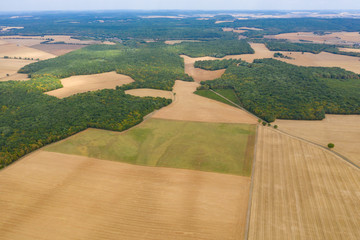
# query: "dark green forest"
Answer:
x=273 y=89
x=30 y=119
x=217 y=64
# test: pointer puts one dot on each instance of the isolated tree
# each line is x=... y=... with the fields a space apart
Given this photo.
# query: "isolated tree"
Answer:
x=264 y=123
x=275 y=126
x=331 y=145
x=259 y=120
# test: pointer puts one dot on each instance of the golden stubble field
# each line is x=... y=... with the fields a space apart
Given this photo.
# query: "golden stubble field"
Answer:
x=15 y=50
x=342 y=130
x=57 y=196
x=302 y=191
x=191 y=107
x=330 y=38
x=84 y=83
x=11 y=66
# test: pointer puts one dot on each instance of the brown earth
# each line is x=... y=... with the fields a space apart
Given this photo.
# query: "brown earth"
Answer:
x=14 y=50
x=148 y=92
x=191 y=107
x=342 y=130
x=57 y=49
x=11 y=66
x=331 y=38
x=57 y=196
x=84 y=83
x=302 y=191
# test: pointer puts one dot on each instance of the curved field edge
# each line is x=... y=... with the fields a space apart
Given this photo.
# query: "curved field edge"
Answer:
x=302 y=191
x=213 y=147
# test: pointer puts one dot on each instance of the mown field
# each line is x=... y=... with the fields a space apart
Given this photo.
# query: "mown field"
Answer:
x=215 y=147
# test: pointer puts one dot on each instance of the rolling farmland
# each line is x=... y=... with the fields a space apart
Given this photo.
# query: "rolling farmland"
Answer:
x=302 y=191
x=57 y=196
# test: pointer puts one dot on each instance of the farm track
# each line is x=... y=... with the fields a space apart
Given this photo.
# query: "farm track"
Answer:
x=302 y=192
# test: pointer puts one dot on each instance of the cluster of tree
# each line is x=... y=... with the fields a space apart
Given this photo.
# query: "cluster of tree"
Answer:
x=217 y=64
x=153 y=65
x=306 y=47
x=280 y=55
x=217 y=48
x=273 y=89
x=30 y=119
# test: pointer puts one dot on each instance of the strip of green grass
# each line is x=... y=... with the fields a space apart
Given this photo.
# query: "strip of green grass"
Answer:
x=228 y=93
x=213 y=147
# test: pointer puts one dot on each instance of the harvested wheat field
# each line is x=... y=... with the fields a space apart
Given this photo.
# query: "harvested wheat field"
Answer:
x=13 y=50
x=11 y=66
x=302 y=191
x=356 y=50
x=323 y=59
x=342 y=130
x=148 y=92
x=330 y=38
x=172 y=42
x=57 y=196
x=200 y=74
x=84 y=83
x=55 y=38
x=191 y=107
x=236 y=30
x=58 y=49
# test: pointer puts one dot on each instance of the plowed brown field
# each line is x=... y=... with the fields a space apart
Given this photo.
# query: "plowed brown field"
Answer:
x=191 y=107
x=84 y=83
x=58 y=196
x=302 y=191
x=342 y=130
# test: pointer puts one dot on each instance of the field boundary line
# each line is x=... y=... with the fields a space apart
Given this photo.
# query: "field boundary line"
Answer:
x=248 y=215
x=321 y=146
x=236 y=105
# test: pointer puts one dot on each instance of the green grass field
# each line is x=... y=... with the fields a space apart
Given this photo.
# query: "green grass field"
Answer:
x=228 y=93
x=213 y=147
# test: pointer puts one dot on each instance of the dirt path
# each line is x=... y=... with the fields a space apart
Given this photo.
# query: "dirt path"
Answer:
x=57 y=196
x=191 y=107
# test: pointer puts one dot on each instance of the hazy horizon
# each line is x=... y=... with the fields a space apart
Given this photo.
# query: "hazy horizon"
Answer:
x=209 y=5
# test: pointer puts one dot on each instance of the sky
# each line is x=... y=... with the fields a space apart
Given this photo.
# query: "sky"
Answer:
x=41 y=5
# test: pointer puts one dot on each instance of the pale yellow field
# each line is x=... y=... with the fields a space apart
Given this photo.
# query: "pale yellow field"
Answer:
x=191 y=107
x=172 y=42
x=85 y=83
x=323 y=59
x=57 y=196
x=148 y=92
x=234 y=30
x=357 y=50
x=302 y=191
x=57 y=49
x=57 y=38
x=14 y=50
x=11 y=66
x=342 y=130
x=332 y=38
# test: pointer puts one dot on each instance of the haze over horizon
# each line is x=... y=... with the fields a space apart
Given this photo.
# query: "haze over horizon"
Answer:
x=45 y=5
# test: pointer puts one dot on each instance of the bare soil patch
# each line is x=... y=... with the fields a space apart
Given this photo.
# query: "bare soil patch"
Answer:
x=85 y=83
x=191 y=107
x=56 y=38
x=342 y=130
x=357 y=50
x=302 y=191
x=57 y=196
x=330 y=38
x=13 y=50
x=148 y=92
x=11 y=66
